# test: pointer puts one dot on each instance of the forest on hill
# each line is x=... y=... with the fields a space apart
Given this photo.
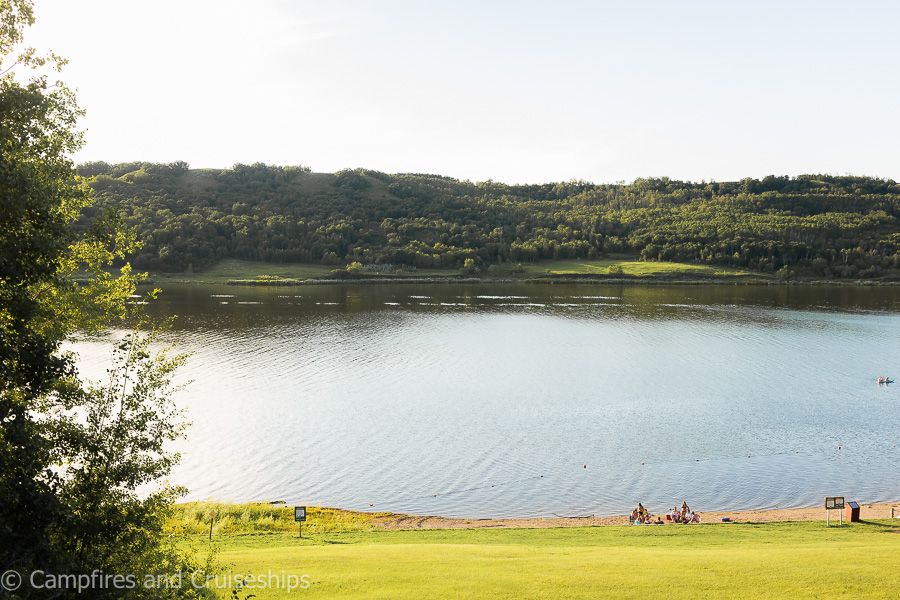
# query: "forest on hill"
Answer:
x=188 y=219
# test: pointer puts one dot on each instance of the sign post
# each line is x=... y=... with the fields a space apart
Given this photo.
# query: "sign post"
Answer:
x=212 y=516
x=300 y=516
x=834 y=503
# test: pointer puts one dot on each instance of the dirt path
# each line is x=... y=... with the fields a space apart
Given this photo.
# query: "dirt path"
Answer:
x=402 y=521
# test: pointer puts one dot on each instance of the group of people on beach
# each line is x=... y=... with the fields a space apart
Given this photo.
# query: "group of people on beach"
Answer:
x=885 y=380
x=640 y=516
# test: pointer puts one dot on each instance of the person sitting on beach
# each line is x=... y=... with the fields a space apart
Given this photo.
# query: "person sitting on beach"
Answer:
x=695 y=518
x=642 y=512
x=658 y=521
x=634 y=517
x=675 y=516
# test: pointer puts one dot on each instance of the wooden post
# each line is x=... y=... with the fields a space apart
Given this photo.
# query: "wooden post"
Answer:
x=300 y=516
x=212 y=515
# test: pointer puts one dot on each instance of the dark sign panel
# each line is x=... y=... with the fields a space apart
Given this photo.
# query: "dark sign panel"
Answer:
x=299 y=513
x=834 y=502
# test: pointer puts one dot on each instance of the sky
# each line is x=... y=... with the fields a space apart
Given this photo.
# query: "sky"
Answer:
x=514 y=91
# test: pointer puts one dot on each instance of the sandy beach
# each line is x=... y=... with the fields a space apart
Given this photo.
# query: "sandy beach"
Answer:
x=866 y=512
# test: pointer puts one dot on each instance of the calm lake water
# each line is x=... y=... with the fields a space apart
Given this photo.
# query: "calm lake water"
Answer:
x=531 y=401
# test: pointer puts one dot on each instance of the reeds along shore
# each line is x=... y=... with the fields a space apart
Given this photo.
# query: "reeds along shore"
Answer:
x=224 y=518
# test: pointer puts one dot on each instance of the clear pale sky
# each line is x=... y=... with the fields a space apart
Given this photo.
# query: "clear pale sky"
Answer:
x=515 y=91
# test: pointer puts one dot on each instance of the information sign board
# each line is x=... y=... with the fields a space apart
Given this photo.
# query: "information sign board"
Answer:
x=836 y=502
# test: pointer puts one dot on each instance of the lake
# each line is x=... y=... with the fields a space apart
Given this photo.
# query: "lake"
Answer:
x=536 y=400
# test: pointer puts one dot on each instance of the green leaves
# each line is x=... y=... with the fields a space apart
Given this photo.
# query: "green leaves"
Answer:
x=71 y=457
x=15 y=16
x=118 y=438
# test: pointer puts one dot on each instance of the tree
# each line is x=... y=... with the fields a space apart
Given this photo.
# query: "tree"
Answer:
x=117 y=445
x=468 y=267
x=67 y=489
x=37 y=202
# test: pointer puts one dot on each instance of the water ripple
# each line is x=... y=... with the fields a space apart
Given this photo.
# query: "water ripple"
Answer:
x=442 y=400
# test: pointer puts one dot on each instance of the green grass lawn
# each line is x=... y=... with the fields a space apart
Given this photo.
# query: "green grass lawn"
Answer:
x=775 y=560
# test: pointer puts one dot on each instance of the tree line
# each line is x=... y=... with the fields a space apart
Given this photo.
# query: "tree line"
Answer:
x=188 y=219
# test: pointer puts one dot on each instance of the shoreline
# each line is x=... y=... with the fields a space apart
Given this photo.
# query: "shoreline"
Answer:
x=614 y=269
x=400 y=521
x=268 y=517
x=588 y=280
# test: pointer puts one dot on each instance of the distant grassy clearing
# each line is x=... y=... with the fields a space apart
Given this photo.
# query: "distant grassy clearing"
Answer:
x=232 y=269
x=629 y=267
x=244 y=269
x=776 y=560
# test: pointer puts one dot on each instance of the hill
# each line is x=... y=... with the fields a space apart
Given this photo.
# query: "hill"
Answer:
x=189 y=219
